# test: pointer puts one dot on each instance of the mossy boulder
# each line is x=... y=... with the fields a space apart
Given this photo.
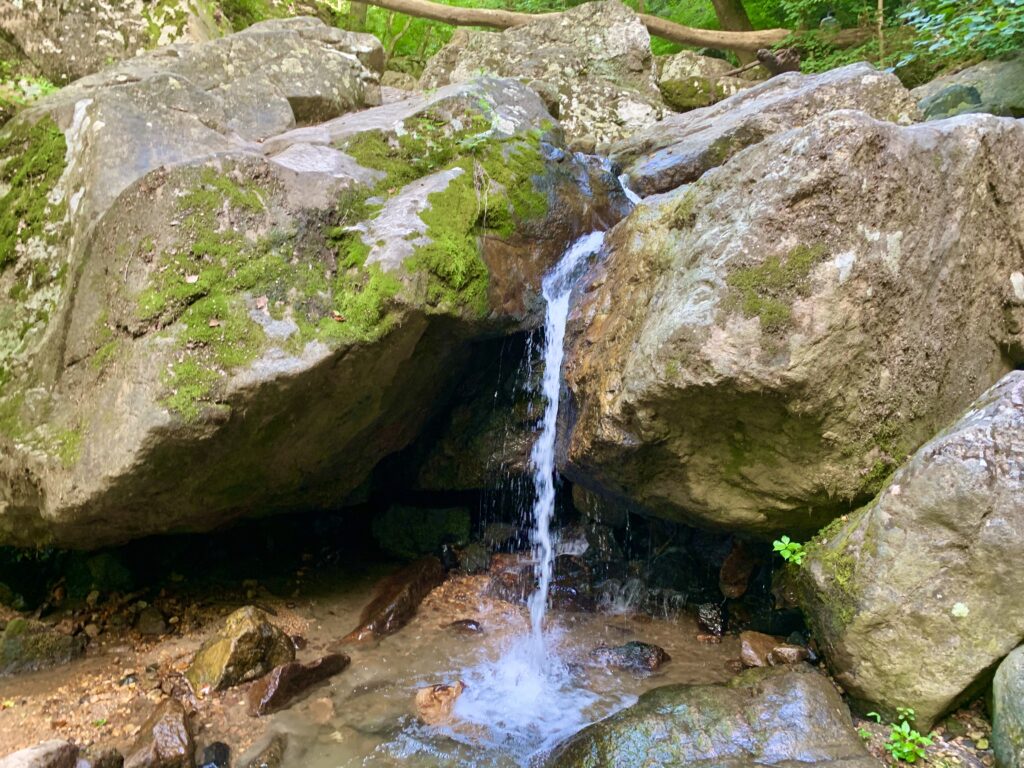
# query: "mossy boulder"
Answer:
x=688 y=80
x=26 y=646
x=682 y=147
x=259 y=241
x=246 y=647
x=592 y=64
x=914 y=599
x=1008 y=711
x=763 y=717
x=763 y=347
x=995 y=86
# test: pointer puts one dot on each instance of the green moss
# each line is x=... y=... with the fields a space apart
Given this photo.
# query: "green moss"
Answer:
x=190 y=383
x=766 y=291
x=31 y=163
x=67 y=445
x=105 y=355
x=684 y=95
x=832 y=547
x=245 y=13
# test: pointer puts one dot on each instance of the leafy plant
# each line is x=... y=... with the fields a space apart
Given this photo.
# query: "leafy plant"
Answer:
x=905 y=743
x=789 y=550
x=957 y=29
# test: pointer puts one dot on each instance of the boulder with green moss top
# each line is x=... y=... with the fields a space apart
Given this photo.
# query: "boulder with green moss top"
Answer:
x=763 y=717
x=194 y=261
x=26 y=646
x=995 y=86
x=681 y=148
x=246 y=647
x=592 y=63
x=763 y=347
x=915 y=598
x=688 y=80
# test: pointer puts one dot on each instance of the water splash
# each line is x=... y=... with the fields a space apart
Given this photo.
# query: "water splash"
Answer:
x=632 y=196
x=557 y=289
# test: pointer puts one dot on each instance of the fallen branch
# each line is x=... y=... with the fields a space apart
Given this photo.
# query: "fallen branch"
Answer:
x=500 y=19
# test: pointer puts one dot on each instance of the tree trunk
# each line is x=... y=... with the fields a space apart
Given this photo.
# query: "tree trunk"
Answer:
x=357 y=16
x=733 y=16
x=500 y=19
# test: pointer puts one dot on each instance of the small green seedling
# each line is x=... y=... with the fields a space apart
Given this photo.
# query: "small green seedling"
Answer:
x=790 y=551
x=904 y=742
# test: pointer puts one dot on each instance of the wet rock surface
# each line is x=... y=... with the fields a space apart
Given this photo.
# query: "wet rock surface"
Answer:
x=760 y=650
x=634 y=655
x=246 y=647
x=398 y=597
x=434 y=704
x=286 y=683
x=947 y=530
x=271 y=755
x=165 y=740
x=763 y=717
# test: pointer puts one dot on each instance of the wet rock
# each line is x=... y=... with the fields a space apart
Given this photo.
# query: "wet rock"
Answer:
x=995 y=86
x=499 y=535
x=398 y=597
x=704 y=367
x=1008 y=711
x=107 y=758
x=165 y=740
x=271 y=755
x=474 y=558
x=26 y=646
x=634 y=655
x=734 y=575
x=288 y=682
x=151 y=621
x=434 y=704
x=914 y=598
x=466 y=627
x=680 y=148
x=761 y=650
x=595 y=57
x=410 y=532
x=600 y=509
x=512 y=578
x=246 y=647
x=572 y=584
x=216 y=755
x=765 y=717
x=711 y=618
x=49 y=754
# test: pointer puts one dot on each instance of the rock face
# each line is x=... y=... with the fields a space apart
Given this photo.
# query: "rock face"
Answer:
x=994 y=86
x=248 y=646
x=916 y=597
x=680 y=148
x=411 y=532
x=592 y=65
x=764 y=346
x=398 y=597
x=26 y=646
x=49 y=754
x=165 y=740
x=688 y=80
x=197 y=252
x=781 y=717
x=1008 y=711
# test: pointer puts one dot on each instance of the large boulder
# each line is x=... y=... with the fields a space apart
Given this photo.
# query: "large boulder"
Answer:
x=764 y=346
x=688 y=80
x=763 y=717
x=915 y=598
x=1008 y=711
x=27 y=645
x=245 y=647
x=680 y=148
x=995 y=86
x=593 y=65
x=194 y=251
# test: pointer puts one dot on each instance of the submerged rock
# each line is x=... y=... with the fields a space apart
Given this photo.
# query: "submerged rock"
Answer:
x=237 y=240
x=995 y=86
x=434 y=704
x=763 y=347
x=771 y=717
x=634 y=655
x=398 y=597
x=27 y=646
x=271 y=755
x=760 y=650
x=592 y=63
x=681 y=148
x=1008 y=711
x=279 y=689
x=246 y=647
x=49 y=754
x=165 y=740
x=914 y=598
x=466 y=627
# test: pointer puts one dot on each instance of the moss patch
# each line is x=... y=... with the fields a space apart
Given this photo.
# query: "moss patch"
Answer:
x=766 y=291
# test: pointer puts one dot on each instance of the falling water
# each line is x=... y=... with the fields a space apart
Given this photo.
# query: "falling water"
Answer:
x=557 y=289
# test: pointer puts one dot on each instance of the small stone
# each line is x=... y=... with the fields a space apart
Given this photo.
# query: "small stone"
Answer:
x=434 y=704
x=92 y=630
x=760 y=650
x=150 y=622
x=634 y=655
x=165 y=740
x=289 y=681
x=710 y=617
x=466 y=627
x=321 y=711
x=215 y=755
x=93 y=598
x=708 y=639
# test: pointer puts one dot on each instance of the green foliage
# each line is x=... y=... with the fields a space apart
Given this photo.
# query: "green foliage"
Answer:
x=790 y=551
x=20 y=89
x=966 y=28
x=904 y=743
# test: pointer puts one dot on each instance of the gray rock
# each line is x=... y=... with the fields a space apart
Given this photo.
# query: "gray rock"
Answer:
x=49 y=754
x=246 y=647
x=762 y=348
x=26 y=646
x=688 y=80
x=681 y=148
x=995 y=86
x=764 y=717
x=1008 y=711
x=915 y=598
x=594 y=61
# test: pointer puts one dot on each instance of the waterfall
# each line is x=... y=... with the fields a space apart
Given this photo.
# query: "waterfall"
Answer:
x=557 y=289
